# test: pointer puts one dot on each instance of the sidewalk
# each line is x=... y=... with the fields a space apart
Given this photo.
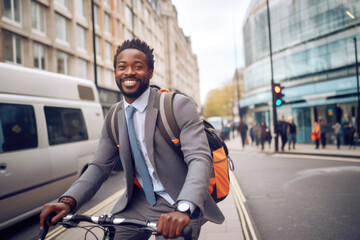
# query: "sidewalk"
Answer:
x=300 y=148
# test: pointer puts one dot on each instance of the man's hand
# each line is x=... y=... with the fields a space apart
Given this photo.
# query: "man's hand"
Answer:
x=60 y=209
x=171 y=224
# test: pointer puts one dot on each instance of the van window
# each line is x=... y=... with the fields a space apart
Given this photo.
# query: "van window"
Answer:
x=65 y=125
x=17 y=127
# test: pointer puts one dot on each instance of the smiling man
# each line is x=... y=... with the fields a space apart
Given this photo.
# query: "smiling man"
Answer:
x=160 y=185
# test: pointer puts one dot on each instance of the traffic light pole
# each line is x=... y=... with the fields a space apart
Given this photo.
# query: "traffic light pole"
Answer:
x=272 y=83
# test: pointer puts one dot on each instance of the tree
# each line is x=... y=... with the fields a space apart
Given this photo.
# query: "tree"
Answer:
x=220 y=102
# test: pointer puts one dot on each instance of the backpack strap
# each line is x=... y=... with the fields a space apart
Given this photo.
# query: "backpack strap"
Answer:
x=166 y=120
x=111 y=124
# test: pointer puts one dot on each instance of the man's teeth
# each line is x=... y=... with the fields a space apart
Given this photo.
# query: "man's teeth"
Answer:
x=129 y=81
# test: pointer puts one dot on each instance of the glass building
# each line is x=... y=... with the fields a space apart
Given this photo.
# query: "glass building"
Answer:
x=313 y=55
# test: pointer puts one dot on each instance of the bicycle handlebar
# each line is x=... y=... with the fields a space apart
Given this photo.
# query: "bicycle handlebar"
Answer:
x=105 y=220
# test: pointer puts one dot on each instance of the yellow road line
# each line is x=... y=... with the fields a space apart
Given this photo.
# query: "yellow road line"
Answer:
x=240 y=204
x=328 y=158
x=60 y=230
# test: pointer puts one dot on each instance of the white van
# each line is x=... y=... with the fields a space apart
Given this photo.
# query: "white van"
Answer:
x=50 y=125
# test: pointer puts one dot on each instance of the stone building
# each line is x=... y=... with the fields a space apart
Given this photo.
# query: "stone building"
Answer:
x=57 y=36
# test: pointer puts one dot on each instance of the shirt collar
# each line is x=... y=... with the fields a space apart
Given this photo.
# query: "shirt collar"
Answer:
x=141 y=102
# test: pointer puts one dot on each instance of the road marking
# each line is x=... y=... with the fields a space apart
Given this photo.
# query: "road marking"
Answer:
x=60 y=230
x=328 y=158
x=239 y=198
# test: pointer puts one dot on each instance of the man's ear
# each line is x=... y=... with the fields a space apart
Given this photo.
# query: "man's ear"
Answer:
x=151 y=71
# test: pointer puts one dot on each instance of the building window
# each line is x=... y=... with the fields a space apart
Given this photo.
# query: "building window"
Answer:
x=12 y=10
x=81 y=68
x=17 y=127
x=140 y=7
x=79 y=8
x=97 y=45
x=96 y=15
x=109 y=78
x=107 y=3
x=13 y=48
x=108 y=51
x=62 y=62
x=61 y=28
x=39 y=56
x=107 y=23
x=128 y=34
x=62 y=2
x=81 y=37
x=98 y=73
x=128 y=17
x=38 y=16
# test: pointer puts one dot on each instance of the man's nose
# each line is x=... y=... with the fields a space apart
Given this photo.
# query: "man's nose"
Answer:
x=130 y=71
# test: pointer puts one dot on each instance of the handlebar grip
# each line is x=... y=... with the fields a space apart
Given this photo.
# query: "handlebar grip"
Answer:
x=44 y=232
x=187 y=232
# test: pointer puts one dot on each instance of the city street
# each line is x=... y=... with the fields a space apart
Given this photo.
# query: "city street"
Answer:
x=299 y=196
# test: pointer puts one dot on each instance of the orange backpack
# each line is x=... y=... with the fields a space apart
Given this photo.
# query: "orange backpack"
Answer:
x=219 y=184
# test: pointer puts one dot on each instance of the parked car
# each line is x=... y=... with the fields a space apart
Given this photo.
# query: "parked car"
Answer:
x=50 y=126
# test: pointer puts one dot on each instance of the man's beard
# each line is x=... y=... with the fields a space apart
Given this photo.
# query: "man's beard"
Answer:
x=142 y=88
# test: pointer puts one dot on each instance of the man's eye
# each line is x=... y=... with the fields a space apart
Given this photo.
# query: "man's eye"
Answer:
x=121 y=67
x=138 y=67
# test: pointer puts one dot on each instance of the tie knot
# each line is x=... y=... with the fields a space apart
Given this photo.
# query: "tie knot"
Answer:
x=130 y=111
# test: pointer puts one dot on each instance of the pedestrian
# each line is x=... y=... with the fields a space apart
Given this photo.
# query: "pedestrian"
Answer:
x=252 y=136
x=316 y=134
x=346 y=133
x=242 y=129
x=160 y=185
x=283 y=131
x=352 y=135
x=262 y=134
x=233 y=129
x=256 y=132
x=227 y=131
x=323 y=133
x=337 y=132
x=292 y=133
x=268 y=136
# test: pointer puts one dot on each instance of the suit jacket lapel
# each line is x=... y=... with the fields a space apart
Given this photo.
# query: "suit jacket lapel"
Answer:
x=150 y=124
x=124 y=144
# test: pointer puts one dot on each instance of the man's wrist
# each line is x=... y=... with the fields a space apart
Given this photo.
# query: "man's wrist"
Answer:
x=71 y=202
x=184 y=207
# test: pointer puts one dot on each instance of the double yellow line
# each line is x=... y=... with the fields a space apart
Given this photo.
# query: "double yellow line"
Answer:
x=58 y=231
x=239 y=198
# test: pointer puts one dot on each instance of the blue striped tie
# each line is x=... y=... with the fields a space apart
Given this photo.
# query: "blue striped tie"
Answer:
x=139 y=159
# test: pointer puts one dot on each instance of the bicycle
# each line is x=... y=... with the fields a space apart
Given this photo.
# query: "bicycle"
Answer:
x=107 y=223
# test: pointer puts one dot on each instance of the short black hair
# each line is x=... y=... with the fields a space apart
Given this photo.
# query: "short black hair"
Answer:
x=139 y=45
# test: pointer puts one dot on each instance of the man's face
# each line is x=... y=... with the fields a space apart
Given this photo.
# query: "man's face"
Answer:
x=132 y=74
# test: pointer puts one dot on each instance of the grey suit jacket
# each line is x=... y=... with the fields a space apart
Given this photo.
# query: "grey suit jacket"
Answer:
x=184 y=179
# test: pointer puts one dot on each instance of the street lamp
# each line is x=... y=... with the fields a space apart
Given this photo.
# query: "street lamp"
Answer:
x=94 y=41
x=357 y=77
x=357 y=83
x=272 y=82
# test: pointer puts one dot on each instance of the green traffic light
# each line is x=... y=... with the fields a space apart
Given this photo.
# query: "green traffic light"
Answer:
x=278 y=102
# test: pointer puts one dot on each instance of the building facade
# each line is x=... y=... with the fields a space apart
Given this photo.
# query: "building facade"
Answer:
x=57 y=36
x=313 y=57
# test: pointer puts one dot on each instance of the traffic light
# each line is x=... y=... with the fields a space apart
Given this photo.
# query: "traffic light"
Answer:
x=278 y=95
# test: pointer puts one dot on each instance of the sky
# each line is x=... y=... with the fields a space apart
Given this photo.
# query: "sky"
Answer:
x=214 y=27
